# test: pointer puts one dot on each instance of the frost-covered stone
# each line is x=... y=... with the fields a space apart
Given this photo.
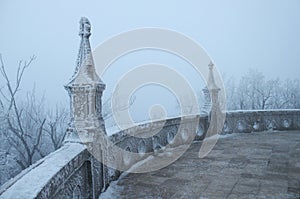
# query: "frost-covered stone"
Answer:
x=72 y=172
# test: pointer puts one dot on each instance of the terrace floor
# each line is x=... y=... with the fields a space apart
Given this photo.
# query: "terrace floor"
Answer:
x=255 y=165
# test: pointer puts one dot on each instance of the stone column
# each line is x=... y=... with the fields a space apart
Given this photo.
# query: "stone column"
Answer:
x=87 y=125
x=206 y=108
x=215 y=106
x=85 y=90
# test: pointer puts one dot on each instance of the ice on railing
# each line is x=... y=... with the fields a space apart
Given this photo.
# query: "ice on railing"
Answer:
x=261 y=110
x=33 y=179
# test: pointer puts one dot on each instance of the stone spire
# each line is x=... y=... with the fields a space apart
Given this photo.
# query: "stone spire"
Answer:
x=85 y=90
x=215 y=112
x=87 y=125
x=85 y=47
x=209 y=90
x=211 y=80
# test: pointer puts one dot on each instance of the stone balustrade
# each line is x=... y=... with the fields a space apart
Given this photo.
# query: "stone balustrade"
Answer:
x=66 y=173
x=261 y=120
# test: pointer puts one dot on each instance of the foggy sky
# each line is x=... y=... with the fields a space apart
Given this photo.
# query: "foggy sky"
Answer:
x=238 y=35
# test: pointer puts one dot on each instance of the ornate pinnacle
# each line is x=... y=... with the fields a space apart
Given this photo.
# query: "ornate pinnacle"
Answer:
x=211 y=80
x=85 y=27
x=85 y=51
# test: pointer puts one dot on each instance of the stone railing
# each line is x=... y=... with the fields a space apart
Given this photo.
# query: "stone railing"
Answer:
x=67 y=173
x=163 y=133
x=261 y=120
x=152 y=137
x=148 y=137
x=138 y=140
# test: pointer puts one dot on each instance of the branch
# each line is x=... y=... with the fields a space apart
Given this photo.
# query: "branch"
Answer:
x=39 y=136
x=15 y=131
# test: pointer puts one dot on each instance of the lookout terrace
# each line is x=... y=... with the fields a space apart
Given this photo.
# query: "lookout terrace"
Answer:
x=215 y=154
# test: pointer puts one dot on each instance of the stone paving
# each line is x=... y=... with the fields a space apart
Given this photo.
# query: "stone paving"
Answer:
x=255 y=165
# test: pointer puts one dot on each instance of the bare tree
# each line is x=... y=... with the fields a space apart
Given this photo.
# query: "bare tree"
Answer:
x=231 y=97
x=107 y=112
x=117 y=100
x=291 y=93
x=254 y=91
x=23 y=134
x=56 y=126
x=26 y=126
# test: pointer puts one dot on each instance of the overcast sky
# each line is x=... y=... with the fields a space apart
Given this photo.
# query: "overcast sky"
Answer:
x=238 y=35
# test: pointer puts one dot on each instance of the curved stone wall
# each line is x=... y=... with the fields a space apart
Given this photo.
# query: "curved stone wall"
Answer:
x=160 y=133
x=67 y=173
x=261 y=120
x=55 y=176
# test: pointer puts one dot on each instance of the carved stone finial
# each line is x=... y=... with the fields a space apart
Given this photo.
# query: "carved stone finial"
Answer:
x=85 y=27
x=211 y=65
x=85 y=51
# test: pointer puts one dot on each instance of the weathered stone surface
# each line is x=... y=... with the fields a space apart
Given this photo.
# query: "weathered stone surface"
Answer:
x=257 y=156
x=257 y=165
x=260 y=120
x=53 y=176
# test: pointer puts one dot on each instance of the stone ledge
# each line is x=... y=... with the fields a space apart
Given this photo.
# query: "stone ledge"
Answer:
x=30 y=182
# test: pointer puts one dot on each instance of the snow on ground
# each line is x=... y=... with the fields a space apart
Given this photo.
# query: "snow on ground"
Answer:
x=260 y=110
x=115 y=189
x=32 y=180
x=115 y=128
